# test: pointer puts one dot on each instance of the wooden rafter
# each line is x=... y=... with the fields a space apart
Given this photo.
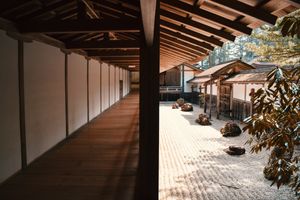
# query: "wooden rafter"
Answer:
x=195 y=24
x=104 y=44
x=186 y=38
x=82 y=26
x=183 y=43
x=195 y=34
x=112 y=53
x=209 y=16
x=245 y=9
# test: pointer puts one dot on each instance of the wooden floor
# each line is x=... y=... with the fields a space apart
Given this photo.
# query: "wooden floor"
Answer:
x=99 y=162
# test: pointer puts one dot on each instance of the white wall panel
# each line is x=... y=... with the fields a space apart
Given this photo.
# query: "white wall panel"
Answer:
x=214 y=89
x=105 y=86
x=94 y=89
x=10 y=150
x=239 y=91
x=112 y=84
x=77 y=94
x=117 y=83
x=44 y=97
x=249 y=87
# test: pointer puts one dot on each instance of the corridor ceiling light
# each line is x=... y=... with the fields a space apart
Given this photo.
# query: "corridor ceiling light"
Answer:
x=131 y=66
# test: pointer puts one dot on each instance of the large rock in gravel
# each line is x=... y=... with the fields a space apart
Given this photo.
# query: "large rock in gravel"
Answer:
x=203 y=120
x=231 y=130
x=235 y=150
x=180 y=102
x=187 y=107
x=175 y=106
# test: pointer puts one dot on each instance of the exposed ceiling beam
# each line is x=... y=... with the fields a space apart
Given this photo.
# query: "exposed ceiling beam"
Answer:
x=186 y=38
x=177 y=49
x=209 y=16
x=183 y=43
x=195 y=24
x=112 y=53
x=178 y=46
x=116 y=7
x=182 y=29
x=104 y=44
x=44 y=10
x=245 y=9
x=82 y=26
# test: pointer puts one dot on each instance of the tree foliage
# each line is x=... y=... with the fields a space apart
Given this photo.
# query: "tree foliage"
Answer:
x=273 y=47
x=275 y=123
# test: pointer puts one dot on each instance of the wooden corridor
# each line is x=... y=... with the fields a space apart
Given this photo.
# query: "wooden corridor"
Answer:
x=97 y=162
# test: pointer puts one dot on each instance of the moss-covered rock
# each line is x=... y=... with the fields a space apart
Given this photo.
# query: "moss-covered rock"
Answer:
x=203 y=120
x=231 y=130
x=180 y=102
x=235 y=150
x=187 y=107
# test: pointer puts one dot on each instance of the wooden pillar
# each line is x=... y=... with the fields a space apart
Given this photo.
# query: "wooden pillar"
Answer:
x=147 y=180
x=231 y=101
x=205 y=93
x=245 y=100
x=182 y=78
x=100 y=66
x=22 y=104
x=210 y=98
x=67 y=53
x=252 y=93
x=218 y=97
x=88 y=88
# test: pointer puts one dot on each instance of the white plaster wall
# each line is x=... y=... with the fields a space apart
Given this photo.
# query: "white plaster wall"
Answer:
x=255 y=87
x=44 y=98
x=117 y=83
x=112 y=84
x=94 y=89
x=188 y=75
x=214 y=89
x=239 y=91
x=10 y=149
x=77 y=91
x=105 y=86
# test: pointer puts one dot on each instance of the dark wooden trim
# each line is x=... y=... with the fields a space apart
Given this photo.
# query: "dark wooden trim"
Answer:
x=104 y=44
x=108 y=85
x=147 y=180
x=234 y=25
x=192 y=33
x=81 y=26
x=88 y=88
x=182 y=78
x=100 y=66
x=245 y=9
x=195 y=24
x=22 y=104
x=119 y=53
x=67 y=93
x=187 y=39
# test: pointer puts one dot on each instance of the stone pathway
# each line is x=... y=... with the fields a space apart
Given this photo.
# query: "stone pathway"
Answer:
x=193 y=165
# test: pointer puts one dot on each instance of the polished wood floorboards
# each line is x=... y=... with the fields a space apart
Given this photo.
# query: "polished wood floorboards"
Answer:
x=99 y=162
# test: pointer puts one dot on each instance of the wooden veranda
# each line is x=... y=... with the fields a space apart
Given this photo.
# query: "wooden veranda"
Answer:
x=113 y=37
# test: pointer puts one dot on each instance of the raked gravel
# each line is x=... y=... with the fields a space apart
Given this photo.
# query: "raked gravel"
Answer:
x=193 y=165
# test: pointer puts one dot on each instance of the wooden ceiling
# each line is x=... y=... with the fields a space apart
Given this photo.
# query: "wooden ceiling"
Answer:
x=109 y=29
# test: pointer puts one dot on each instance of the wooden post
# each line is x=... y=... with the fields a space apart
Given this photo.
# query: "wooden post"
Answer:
x=147 y=181
x=100 y=66
x=182 y=78
x=252 y=101
x=218 y=97
x=205 y=93
x=88 y=88
x=244 y=104
x=210 y=98
x=22 y=104
x=231 y=101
